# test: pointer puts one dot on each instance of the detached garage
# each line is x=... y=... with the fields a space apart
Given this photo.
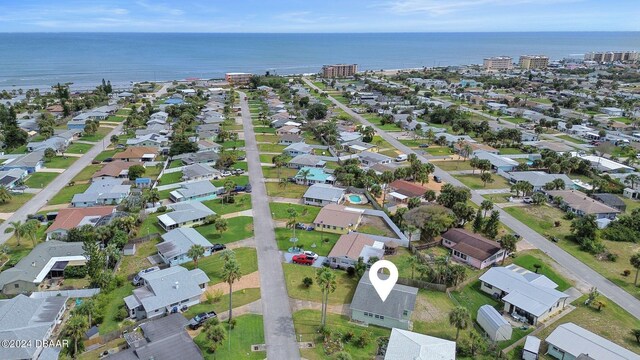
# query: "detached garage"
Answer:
x=493 y=323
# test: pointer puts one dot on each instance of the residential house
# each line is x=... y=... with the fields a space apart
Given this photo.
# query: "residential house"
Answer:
x=46 y=261
x=449 y=139
x=395 y=312
x=161 y=338
x=58 y=142
x=114 y=170
x=30 y=322
x=580 y=204
x=606 y=165
x=207 y=145
x=612 y=111
x=176 y=244
x=150 y=140
x=403 y=190
x=611 y=200
x=69 y=218
x=368 y=158
x=404 y=345
x=337 y=219
x=158 y=117
x=212 y=129
x=526 y=295
x=323 y=194
x=358 y=146
x=570 y=341
x=165 y=290
x=199 y=172
x=306 y=160
x=350 y=247
x=10 y=178
x=296 y=149
x=154 y=128
x=311 y=175
x=498 y=163
x=197 y=191
x=473 y=249
x=288 y=139
x=102 y=192
x=137 y=153
x=288 y=130
x=203 y=157
x=461 y=149
x=187 y=213
x=348 y=136
x=537 y=178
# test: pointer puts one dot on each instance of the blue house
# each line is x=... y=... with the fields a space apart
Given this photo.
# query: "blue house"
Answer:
x=174 y=101
x=30 y=162
x=313 y=176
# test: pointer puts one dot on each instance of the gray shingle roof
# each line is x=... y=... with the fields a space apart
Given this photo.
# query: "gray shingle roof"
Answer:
x=169 y=286
x=185 y=211
x=194 y=189
x=539 y=178
x=324 y=192
x=197 y=170
x=400 y=299
x=179 y=241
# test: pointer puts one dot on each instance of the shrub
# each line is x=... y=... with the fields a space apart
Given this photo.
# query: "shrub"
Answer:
x=348 y=336
x=351 y=271
x=363 y=339
x=232 y=324
x=75 y=272
x=612 y=257
x=307 y=281
x=121 y=314
x=161 y=209
x=217 y=295
x=626 y=273
x=343 y=356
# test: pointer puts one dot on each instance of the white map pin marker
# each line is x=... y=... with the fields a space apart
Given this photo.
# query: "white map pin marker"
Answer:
x=383 y=286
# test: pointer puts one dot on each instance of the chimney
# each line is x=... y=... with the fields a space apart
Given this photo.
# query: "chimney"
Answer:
x=176 y=285
x=33 y=264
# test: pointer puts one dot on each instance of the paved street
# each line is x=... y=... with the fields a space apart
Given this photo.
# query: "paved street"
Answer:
x=570 y=264
x=279 y=332
x=40 y=199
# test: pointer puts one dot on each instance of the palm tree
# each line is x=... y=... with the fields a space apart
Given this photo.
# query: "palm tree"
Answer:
x=508 y=245
x=18 y=229
x=88 y=307
x=486 y=178
x=195 y=252
x=635 y=262
x=230 y=274
x=326 y=279
x=631 y=180
x=293 y=219
x=228 y=186
x=5 y=195
x=279 y=161
x=413 y=261
x=31 y=230
x=459 y=318
x=75 y=329
x=304 y=173
x=636 y=334
x=153 y=196
x=283 y=182
x=220 y=224
x=486 y=205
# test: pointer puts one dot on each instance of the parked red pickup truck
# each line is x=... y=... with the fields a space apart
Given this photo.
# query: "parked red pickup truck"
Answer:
x=303 y=259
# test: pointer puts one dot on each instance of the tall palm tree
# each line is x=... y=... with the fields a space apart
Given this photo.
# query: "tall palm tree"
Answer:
x=508 y=244
x=195 y=252
x=31 y=230
x=18 y=229
x=75 y=329
x=459 y=318
x=326 y=279
x=631 y=180
x=5 y=195
x=230 y=274
x=153 y=196
x=221 y=225
x=304 y=173
x=635 y=262
x=486 y=205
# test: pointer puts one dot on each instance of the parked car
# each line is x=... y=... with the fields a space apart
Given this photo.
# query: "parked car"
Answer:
x=311 y=254
x=437 y=179
x=238 y=171
x=301 y=226
x=218 y=247
x=240 y=158
x=247 y=188
x=303 y=259
x=402 y=157
x=239 y=188
x=527 y=200
x=137 y=280
x=199 y=319
x=107 y=160
x=225 y=173
x=423 y=146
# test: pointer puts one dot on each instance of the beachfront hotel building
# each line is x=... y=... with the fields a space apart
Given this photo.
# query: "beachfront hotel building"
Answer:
x=237 y=78
x=339 y=70
x=528 y=62
x=498 y=63
x=611 y=56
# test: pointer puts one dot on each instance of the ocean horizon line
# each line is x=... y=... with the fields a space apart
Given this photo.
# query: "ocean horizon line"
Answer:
x=324 y=33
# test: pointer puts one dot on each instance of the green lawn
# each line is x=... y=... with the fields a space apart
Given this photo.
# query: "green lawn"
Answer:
x=232 y=144
x=498 y=198
x=171 y=178
x=474 y=182
x=101 y=133
x=115 y=118
x=239 y=228
x=60 y=162
x=541 y=219
x=514 y=120
x=288 y=191
x=528 y=259
x=78 y=148
x=66 y=194
x=473 y=298
x=622 y=119
x=212 y=265
x=238 y=180
x=111 y=302
x=16 y=202
x=40 y=179
x=264 y=130
x=510 y=151
x=307 y=322
x=306 y=239
x=306 y=213
x=431 y=315
x=242 y=202
x=150 y=225
x=270 y=138
x=439 y=150
x=294 y=273
x=86 y=173
x=275 y=173
x=175 y=163
x=541 y=100
x=266 y=158
x=19 y=150
x=271 y=148
x=105 y=155
x=248 y=331
x=239 y=298
x=571 y=139
x=453 y=165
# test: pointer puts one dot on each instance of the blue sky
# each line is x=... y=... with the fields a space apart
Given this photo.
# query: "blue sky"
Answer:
x=318 y=16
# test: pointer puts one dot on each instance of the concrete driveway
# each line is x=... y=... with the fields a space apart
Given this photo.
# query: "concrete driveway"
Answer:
x=317 y=264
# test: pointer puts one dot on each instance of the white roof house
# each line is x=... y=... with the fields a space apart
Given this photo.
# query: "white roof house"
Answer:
x=184 y=213
x=407 y=345
x=496 y=326
x=176 y=244
x=323 y=194
x=604 y=164
x=571 y=339
x=531 y=348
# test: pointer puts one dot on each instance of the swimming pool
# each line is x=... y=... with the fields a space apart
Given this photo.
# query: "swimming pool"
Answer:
x=356 y=199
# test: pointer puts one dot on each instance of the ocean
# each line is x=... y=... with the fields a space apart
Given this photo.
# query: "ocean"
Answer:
x=41 y=59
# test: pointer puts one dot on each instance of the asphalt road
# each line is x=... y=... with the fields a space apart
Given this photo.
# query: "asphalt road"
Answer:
x=280 y=335
x=39 y=200
x=570 y=264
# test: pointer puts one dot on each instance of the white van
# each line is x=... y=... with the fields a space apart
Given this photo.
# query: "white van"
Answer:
x=402 y=157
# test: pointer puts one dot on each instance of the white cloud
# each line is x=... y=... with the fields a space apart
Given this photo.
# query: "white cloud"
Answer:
x=441 y=7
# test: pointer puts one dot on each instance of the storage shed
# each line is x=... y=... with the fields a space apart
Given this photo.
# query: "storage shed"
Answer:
x=493 y=323
x=531 y=348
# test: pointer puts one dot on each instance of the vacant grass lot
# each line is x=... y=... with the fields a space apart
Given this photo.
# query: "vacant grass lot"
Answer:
x=78 y=148
x=510 y=151
x=242 y=202
x=86 y=173
x=101 y=133
x=212 y=265
x=66 y=194
x=40 y=179
x=239 y=298
x=571 y=139
x=439 y=150
x=453 y=165
x=239 y=228
x=498 y=198
x=249 y=330
x=306 y=239
x=278 y=173
x=288 y=191
x=271 y=148
x=306 y=213
x=171 y=178
x=294 y=273
x=474 y=182
x=16 y=202
x=60 y=162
